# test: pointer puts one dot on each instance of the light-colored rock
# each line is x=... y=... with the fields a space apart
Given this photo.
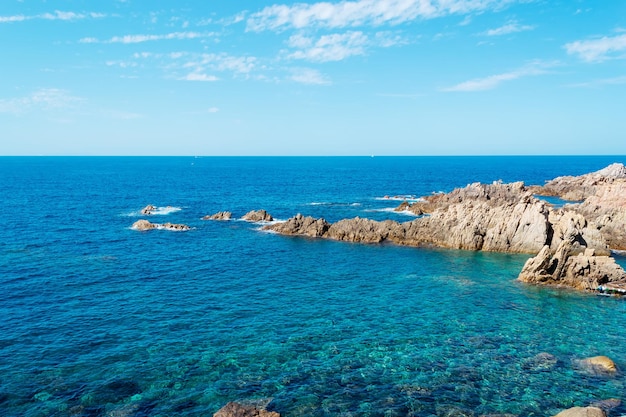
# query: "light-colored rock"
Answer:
x=234 y=409
x=597 y=365
x=300 y=225
x=582 y=412
x=147 y=210
x=257 y=216
x=144 y=225
x=220 y=216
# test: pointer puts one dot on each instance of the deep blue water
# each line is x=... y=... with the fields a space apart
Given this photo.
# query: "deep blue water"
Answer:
x=97 y=319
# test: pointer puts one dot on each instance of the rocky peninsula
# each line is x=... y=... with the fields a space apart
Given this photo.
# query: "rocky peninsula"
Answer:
x=572 y=243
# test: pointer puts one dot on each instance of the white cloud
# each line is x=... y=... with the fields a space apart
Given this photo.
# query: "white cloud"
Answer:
x=597 y=50
x=56 y=15
x=361 y=12
x=602 y=82
x=492 y=81
x=308 y=76
x=222 y=62
x=45 y=99
x=126 y=39
x=213 y=110
x=511 y=27
x=335 y=47
x=195 y=76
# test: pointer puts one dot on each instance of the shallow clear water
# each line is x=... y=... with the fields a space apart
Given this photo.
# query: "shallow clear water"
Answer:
x=98 y=319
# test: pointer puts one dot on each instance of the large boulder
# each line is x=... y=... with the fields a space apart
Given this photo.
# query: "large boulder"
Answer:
x=257 y=216
x=147 y=210
x=597 y=366
x=220 y=216
x=234 y=409
x=144 y=225
x=300 y=225
x=582 y=412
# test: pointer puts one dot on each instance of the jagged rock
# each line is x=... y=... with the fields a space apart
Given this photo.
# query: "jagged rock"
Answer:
x=147 y=210
x=300 y=225
x=221 y=216
x=360 y=230
x=144 y=225
x=597 y=366
x=257 y=216
x=573 y=266
x=580 y=187
x=582 y=412
x=234 y=409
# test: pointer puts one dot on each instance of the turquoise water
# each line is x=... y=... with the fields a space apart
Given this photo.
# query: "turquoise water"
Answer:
x=100 y=320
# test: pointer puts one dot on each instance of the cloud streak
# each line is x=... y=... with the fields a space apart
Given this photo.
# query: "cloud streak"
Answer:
x=361 y=12
x=56 y=15
x=128 y=39
x=597 y=50
x=511 y=27
x=335 y=47
x=493 y=81
x=46 y=99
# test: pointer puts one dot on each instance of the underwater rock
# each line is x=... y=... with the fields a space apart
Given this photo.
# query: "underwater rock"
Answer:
x=233 y=409
x=597 y=365
x=116 y=391
x=257 y=216
x=220 y=215
x=608 y=404
x=543 y=361
x=582 y=412
x=144 y=225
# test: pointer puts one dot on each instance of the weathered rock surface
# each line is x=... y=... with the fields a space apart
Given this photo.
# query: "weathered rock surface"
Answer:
x=257 y=216
x=221 y=216
x=147 y=210
x=300 y=225
x=582 y=412
x=144 y=225
x=580 y=187
x=234 y=409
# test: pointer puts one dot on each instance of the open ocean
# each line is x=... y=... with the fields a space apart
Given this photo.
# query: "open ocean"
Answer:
x=97 y=319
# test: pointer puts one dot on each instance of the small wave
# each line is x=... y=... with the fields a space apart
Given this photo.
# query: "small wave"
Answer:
x=324 y=203
x=158 y=211
x=411 y=198
x=392 y=210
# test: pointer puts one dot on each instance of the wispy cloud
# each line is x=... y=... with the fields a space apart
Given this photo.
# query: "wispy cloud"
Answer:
x=335 y=47
x=597 y=50
x=510 y=27
x=46 y=99
x=56 y=15
x=196 y=76
x=308 y=76
x=149 y=38
x=493 y=81
x=361 y=12
x=602 y=82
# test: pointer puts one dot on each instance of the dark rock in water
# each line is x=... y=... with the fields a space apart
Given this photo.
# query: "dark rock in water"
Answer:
x=234 y=409
x=116 y=391
x=300 y=225
x=607 y=405
x=540 y=362
x=257 y=216
x=582 y=412
x=220 y=215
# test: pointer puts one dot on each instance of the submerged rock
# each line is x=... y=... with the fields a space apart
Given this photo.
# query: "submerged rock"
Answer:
x=144 y=225
x=597 y=366
x=257 y=216
x=582 y=412
x=540 y=362
x=220 y=215
x=234 y=409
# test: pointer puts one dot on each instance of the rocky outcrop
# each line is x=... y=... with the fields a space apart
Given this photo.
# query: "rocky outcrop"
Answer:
x=257 y=216
x=144 y=225
x=600 y=198
x=582 y=412
x=597 y=366
x=148 y=210
x=303 y=226
x=572 y=265
x=220 y=216
x=234 y=409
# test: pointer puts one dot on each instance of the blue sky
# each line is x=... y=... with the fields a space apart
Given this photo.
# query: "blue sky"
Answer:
x=359 y=77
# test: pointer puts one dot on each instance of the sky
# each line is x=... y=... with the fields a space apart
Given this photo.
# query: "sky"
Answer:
x=351 y=77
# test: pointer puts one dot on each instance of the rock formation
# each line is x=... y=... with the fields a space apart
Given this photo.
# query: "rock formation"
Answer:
x=597 y=366
x=144 y=225
x=234 y=409
x=582 y=412
x=257 y=216
x=148 y=210
x=300 y=225
x=221 y=216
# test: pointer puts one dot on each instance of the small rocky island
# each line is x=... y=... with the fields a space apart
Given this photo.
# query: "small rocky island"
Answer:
x=572 y=243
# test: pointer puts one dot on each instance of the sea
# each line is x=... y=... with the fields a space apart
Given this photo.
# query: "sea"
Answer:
x=98 y=319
